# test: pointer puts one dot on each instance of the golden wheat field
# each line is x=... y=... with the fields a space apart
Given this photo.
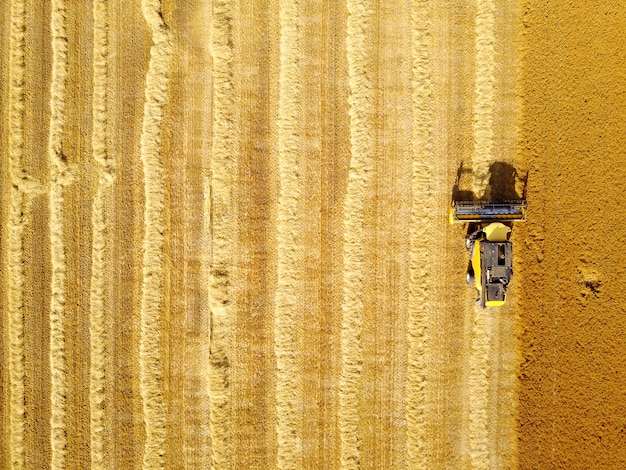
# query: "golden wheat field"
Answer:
x=225 y=243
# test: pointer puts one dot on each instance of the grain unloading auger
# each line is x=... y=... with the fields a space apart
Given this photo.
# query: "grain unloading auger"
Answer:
x=491 y=252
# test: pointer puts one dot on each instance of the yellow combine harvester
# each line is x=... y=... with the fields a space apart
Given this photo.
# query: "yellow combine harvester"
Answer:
x=491 y=252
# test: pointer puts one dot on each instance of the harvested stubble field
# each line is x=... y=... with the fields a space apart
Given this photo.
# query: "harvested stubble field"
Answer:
x=225 y=244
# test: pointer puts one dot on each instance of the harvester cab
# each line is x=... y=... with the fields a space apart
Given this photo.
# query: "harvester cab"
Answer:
x=488 y=242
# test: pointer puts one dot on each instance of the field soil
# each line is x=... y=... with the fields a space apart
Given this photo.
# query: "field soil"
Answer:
x=225 y=242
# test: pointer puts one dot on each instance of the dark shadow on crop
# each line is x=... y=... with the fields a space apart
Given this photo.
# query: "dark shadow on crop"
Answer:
x=458 y=194
x=501 y=186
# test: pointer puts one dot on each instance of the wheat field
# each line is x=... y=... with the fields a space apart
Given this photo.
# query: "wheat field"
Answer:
x=225 y=242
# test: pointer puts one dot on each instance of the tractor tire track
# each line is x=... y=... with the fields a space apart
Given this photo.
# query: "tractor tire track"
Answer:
x=186 y=150
x=325 y=150
x=5 y=196
x=386 y=223
x=78 y=198
x=313 y=46
x=254 y=380
x=36 y=263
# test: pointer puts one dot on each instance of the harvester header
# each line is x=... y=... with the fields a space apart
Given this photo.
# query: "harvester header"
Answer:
x=463 y=212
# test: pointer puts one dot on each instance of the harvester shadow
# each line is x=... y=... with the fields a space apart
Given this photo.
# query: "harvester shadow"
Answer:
x=459 y=194
x=502 y=184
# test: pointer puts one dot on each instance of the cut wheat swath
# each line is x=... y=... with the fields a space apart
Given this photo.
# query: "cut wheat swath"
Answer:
x=478 y=389
x=223 y=220
x=150 y=354
x=16 y=219
x=423 y=230
x=60 y=176
x=99 y=318
x=362 y=144
x=289 y=246
x=482 y=323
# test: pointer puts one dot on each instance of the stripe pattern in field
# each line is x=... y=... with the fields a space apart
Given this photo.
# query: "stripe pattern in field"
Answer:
x=223 y=213
x=290 y=248
x=60 y=177
x=152 y=300
x=362 y=145
x=13 y=250
x=245 y=259
x=424 y=203
x=99 y=296
x=482 y=325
